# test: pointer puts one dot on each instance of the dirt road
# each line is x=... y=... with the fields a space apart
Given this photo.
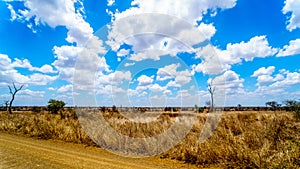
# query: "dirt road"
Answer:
x=22 y=152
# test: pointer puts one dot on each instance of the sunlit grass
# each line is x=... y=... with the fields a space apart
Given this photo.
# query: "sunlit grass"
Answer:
x=249 y=139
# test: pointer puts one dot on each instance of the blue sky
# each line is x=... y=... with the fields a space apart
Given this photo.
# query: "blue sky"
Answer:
x=149 y=52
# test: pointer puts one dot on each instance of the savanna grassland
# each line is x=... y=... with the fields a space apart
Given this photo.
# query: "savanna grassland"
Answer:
x=241 y=140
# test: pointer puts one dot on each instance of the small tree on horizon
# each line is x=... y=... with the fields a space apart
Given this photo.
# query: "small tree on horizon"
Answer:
x=196 y=108
x=13 y=93
x=293 y=106
x=273 y=104
x=239 y=106
x=6 y=103
x=211 y=89
x=55 y=106
x=290 y=104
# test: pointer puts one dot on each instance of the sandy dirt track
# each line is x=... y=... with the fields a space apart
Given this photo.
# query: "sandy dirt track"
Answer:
x=22 y=152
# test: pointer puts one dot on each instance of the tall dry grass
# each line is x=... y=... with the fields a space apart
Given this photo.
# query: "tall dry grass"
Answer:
x=248 y=140
x=44 y=126
x=241 y=140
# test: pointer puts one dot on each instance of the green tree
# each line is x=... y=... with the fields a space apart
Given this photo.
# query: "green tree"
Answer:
x=297 y=111
x=290 y=104
x=6 y=103
x=273 y=104
x=293 y=106
x=196 y=108
x=56 y=106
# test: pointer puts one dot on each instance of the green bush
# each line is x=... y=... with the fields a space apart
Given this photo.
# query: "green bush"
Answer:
x=293 y=106
x=55 y=106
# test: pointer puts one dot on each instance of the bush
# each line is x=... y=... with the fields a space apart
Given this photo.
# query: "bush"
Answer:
x=200 y=109
x=293 y=106
x=54 y=106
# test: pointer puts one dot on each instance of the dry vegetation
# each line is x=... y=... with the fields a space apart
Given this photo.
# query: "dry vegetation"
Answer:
x=245 y=140
x=241 y=140
x=45 y=126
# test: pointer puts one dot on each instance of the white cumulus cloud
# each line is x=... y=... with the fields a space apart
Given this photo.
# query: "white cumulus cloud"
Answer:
x=292 y=7
x=55 y=13
x=215 y=60
x=264 y=71
x=9 y=73
x=145 y=80
x=208 y=30
x=292 y=49
x=13 y=14
x=189 y=10
x=267 y=80
x=229 y=82
x=183 y=13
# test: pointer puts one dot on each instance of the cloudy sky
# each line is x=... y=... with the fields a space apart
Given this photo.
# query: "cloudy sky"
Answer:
x=150 y=52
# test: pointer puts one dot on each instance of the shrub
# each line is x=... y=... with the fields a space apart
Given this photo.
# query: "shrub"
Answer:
x=297 y=111
x=294 y=106
x=54 y=106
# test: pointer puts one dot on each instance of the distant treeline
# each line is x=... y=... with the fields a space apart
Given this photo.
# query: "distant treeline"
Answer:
x=144 y=109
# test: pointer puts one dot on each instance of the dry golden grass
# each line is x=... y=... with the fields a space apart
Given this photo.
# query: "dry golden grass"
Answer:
x=241 y=140
x=245 y=140
x=136 y=129
x=44 y=126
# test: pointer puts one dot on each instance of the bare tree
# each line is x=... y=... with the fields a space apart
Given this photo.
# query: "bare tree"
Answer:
x=6 y=102
x=13 y=93
x=211 y=90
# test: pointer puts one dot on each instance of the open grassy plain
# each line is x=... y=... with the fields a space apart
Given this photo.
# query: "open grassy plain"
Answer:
x=251 y=139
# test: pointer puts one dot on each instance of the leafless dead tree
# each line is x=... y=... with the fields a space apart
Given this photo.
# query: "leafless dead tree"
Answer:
x=211 y=90
x=13 y=93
